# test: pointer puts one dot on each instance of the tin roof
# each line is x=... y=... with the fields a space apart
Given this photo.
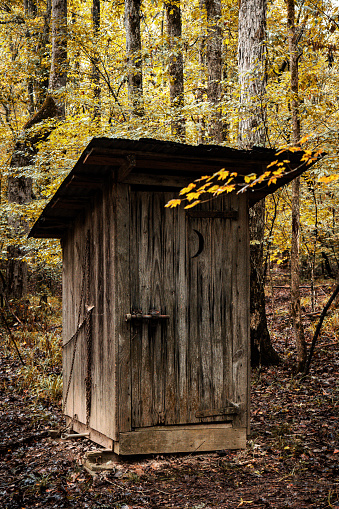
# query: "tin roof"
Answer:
x=148 y=162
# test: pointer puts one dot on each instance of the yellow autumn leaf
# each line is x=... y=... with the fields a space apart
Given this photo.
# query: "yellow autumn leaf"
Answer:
x=201 y=189
x=223 y=174
x=264 y=176
x=192 y=196
x=304 y=138
x=230 y=188
x=249 y=178
x=242 y=502
x=192 y=204
x=327 y=180
x=213 y=189
x=187 y=189
x=318 y=153
x=272 y=163
x=173 y=203
x=311 y=160
x=204 y=177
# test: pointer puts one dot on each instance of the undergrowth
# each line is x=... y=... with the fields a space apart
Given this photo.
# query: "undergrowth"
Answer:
x=33 y=326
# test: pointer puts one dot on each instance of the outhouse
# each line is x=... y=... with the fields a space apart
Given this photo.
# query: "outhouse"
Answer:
x=155 y=300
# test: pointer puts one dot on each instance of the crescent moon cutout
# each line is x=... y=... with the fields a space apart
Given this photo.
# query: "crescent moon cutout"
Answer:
x=201 y=244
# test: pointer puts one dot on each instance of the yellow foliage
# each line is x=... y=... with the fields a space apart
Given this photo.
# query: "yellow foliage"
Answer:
x=249 y=178
x=187 y=189
x=23 y=61
x=328 y=179
x=213 y=189
x=173 y=203
x=192 y=204
x=192 y=196
x=223 y=174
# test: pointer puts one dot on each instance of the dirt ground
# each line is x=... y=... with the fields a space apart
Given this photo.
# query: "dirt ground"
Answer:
x=291 y=460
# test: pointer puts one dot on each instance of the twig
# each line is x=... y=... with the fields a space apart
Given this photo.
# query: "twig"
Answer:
x=50 y=329
x=317 y=331
x=163 y=492
x=12 y=337
x=287 y=287
x=10 y=309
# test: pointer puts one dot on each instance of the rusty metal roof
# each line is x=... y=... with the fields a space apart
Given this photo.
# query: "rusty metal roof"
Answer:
x=153 y=163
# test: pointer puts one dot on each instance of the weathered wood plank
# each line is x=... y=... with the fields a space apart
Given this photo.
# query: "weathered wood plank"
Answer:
x=147 y=179
x=94 y=435
x=135 y=235
x=214 y=214
x=240 y=290
x=174 y=250
x=172 y=439
x=94 y=298
x=147 y=387
x=79 y=375
x=110 y=349
x=158 y=301
x=67 y=331
x=121 y=205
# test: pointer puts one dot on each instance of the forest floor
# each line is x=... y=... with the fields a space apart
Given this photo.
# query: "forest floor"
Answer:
x=291 y=460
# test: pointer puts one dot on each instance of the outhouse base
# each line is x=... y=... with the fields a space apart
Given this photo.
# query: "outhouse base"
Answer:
x=170 y=439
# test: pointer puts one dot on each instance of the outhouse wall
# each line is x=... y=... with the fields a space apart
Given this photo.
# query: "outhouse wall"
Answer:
x=125 y=253
x=91 y=272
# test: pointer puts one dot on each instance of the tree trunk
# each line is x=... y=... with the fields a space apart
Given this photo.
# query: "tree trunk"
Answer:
x=176 y=69
x=58 y=73
x=252 y=25
x=30 y=7
x=42 y=73
x=16 y=273
x=295 y=270
x=214 y=68
x=252 y=78
x=19 y=191
x=262 y=351
x=134 y=58
x=95 y=63
x=200 y=94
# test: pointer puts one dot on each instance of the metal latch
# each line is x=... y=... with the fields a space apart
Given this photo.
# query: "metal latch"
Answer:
x=153 y=314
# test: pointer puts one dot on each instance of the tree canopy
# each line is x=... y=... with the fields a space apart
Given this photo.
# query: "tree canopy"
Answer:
x=97 y=99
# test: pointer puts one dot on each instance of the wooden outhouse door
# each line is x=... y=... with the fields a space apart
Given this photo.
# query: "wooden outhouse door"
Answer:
x=190 y=267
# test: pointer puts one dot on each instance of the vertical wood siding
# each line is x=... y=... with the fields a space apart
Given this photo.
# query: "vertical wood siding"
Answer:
x=98 y=221
x=194 y=361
